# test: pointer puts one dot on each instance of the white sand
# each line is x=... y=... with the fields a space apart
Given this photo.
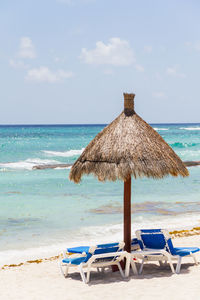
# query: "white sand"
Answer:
x=44 y=281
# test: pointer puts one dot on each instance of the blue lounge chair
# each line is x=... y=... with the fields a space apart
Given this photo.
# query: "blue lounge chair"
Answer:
x=156 y=244
x=81 y=249
x=100 y=256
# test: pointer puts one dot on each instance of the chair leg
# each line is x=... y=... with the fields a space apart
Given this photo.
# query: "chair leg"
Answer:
x=66 y=271
x=141 y=267
x=160 y=263
x=165 y=262
x=127 y=265
x=61 y=269
x=82 y=273
x=133 y=266
x=120 y=269
x=171 y=265
x=178 y=266
x=88 y=274
x=194 y=257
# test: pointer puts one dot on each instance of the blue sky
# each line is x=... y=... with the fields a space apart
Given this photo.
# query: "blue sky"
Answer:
x=69 y=61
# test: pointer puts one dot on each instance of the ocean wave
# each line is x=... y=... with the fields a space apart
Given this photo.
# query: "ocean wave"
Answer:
x=158 y=129
x=59 y=168
x=189 y=154
x=27 y=164
x=92 y=235
x=64 y=154
x=183 y=145
x=113 y=232
x=190 y=128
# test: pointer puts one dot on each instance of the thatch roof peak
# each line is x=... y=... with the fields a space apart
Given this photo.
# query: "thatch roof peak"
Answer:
x=129 y=104
x=128 y=146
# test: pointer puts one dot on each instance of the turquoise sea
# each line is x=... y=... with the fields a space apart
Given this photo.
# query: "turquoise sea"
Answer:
x=41 y=211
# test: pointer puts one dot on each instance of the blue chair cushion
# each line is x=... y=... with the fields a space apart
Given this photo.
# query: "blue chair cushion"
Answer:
x=150 y=230
x=76 y=260
x=134 y=241
x=80 y=249
x=107 y=245
x=106 y=250
x=102 y=248
x=153 y=241
x=184 y=251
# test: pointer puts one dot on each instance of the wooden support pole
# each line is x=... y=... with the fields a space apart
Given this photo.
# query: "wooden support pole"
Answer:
x=127 y=214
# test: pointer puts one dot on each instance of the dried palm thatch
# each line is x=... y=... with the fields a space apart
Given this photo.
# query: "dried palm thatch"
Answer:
x=128 y=146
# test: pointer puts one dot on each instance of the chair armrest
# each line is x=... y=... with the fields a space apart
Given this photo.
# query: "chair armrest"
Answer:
x=150 y=252
x=110 y=254
x=69 y=254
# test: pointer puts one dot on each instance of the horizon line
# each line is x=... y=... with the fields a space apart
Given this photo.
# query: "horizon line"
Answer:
x=90 y=124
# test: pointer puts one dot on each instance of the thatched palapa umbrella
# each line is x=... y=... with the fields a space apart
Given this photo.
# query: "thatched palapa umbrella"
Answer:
x=128 y=146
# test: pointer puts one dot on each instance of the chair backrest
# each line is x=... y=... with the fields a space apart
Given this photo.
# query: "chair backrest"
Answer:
x=134 y=241
x=110 y=249
x=79 y=249
x=155 y=239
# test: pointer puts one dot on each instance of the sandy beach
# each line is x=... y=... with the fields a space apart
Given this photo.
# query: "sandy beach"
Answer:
x=44 y=281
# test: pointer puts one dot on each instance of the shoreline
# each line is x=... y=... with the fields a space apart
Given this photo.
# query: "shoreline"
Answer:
x=195 y=231
x=63 y=166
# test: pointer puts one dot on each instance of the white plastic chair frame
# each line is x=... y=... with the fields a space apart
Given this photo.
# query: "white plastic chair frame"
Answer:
x=159 y=255
x=100 y=261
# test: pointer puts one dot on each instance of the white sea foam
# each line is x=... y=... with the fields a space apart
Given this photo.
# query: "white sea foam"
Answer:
x=92 y=235
x=64 y=154
x=190 y=128
x=21 y=256
x=113 y=233
x=189 y=154
x=158 y=129
x=61 y=168
x=27 y=164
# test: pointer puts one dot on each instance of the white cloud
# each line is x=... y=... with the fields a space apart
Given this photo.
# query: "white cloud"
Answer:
x=116 y=53
x=194 y=45
x=172 y=71
x=158 y=95
x=148 y=49
x=26 y=48
x=197 y=46
x=17 y=64
x=43 y=74
x=139 y=68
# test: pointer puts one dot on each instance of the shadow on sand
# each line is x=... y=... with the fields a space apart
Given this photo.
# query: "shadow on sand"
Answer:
x=151 y=270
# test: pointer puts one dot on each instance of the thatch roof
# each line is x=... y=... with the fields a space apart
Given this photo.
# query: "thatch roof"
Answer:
x=128 y=146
